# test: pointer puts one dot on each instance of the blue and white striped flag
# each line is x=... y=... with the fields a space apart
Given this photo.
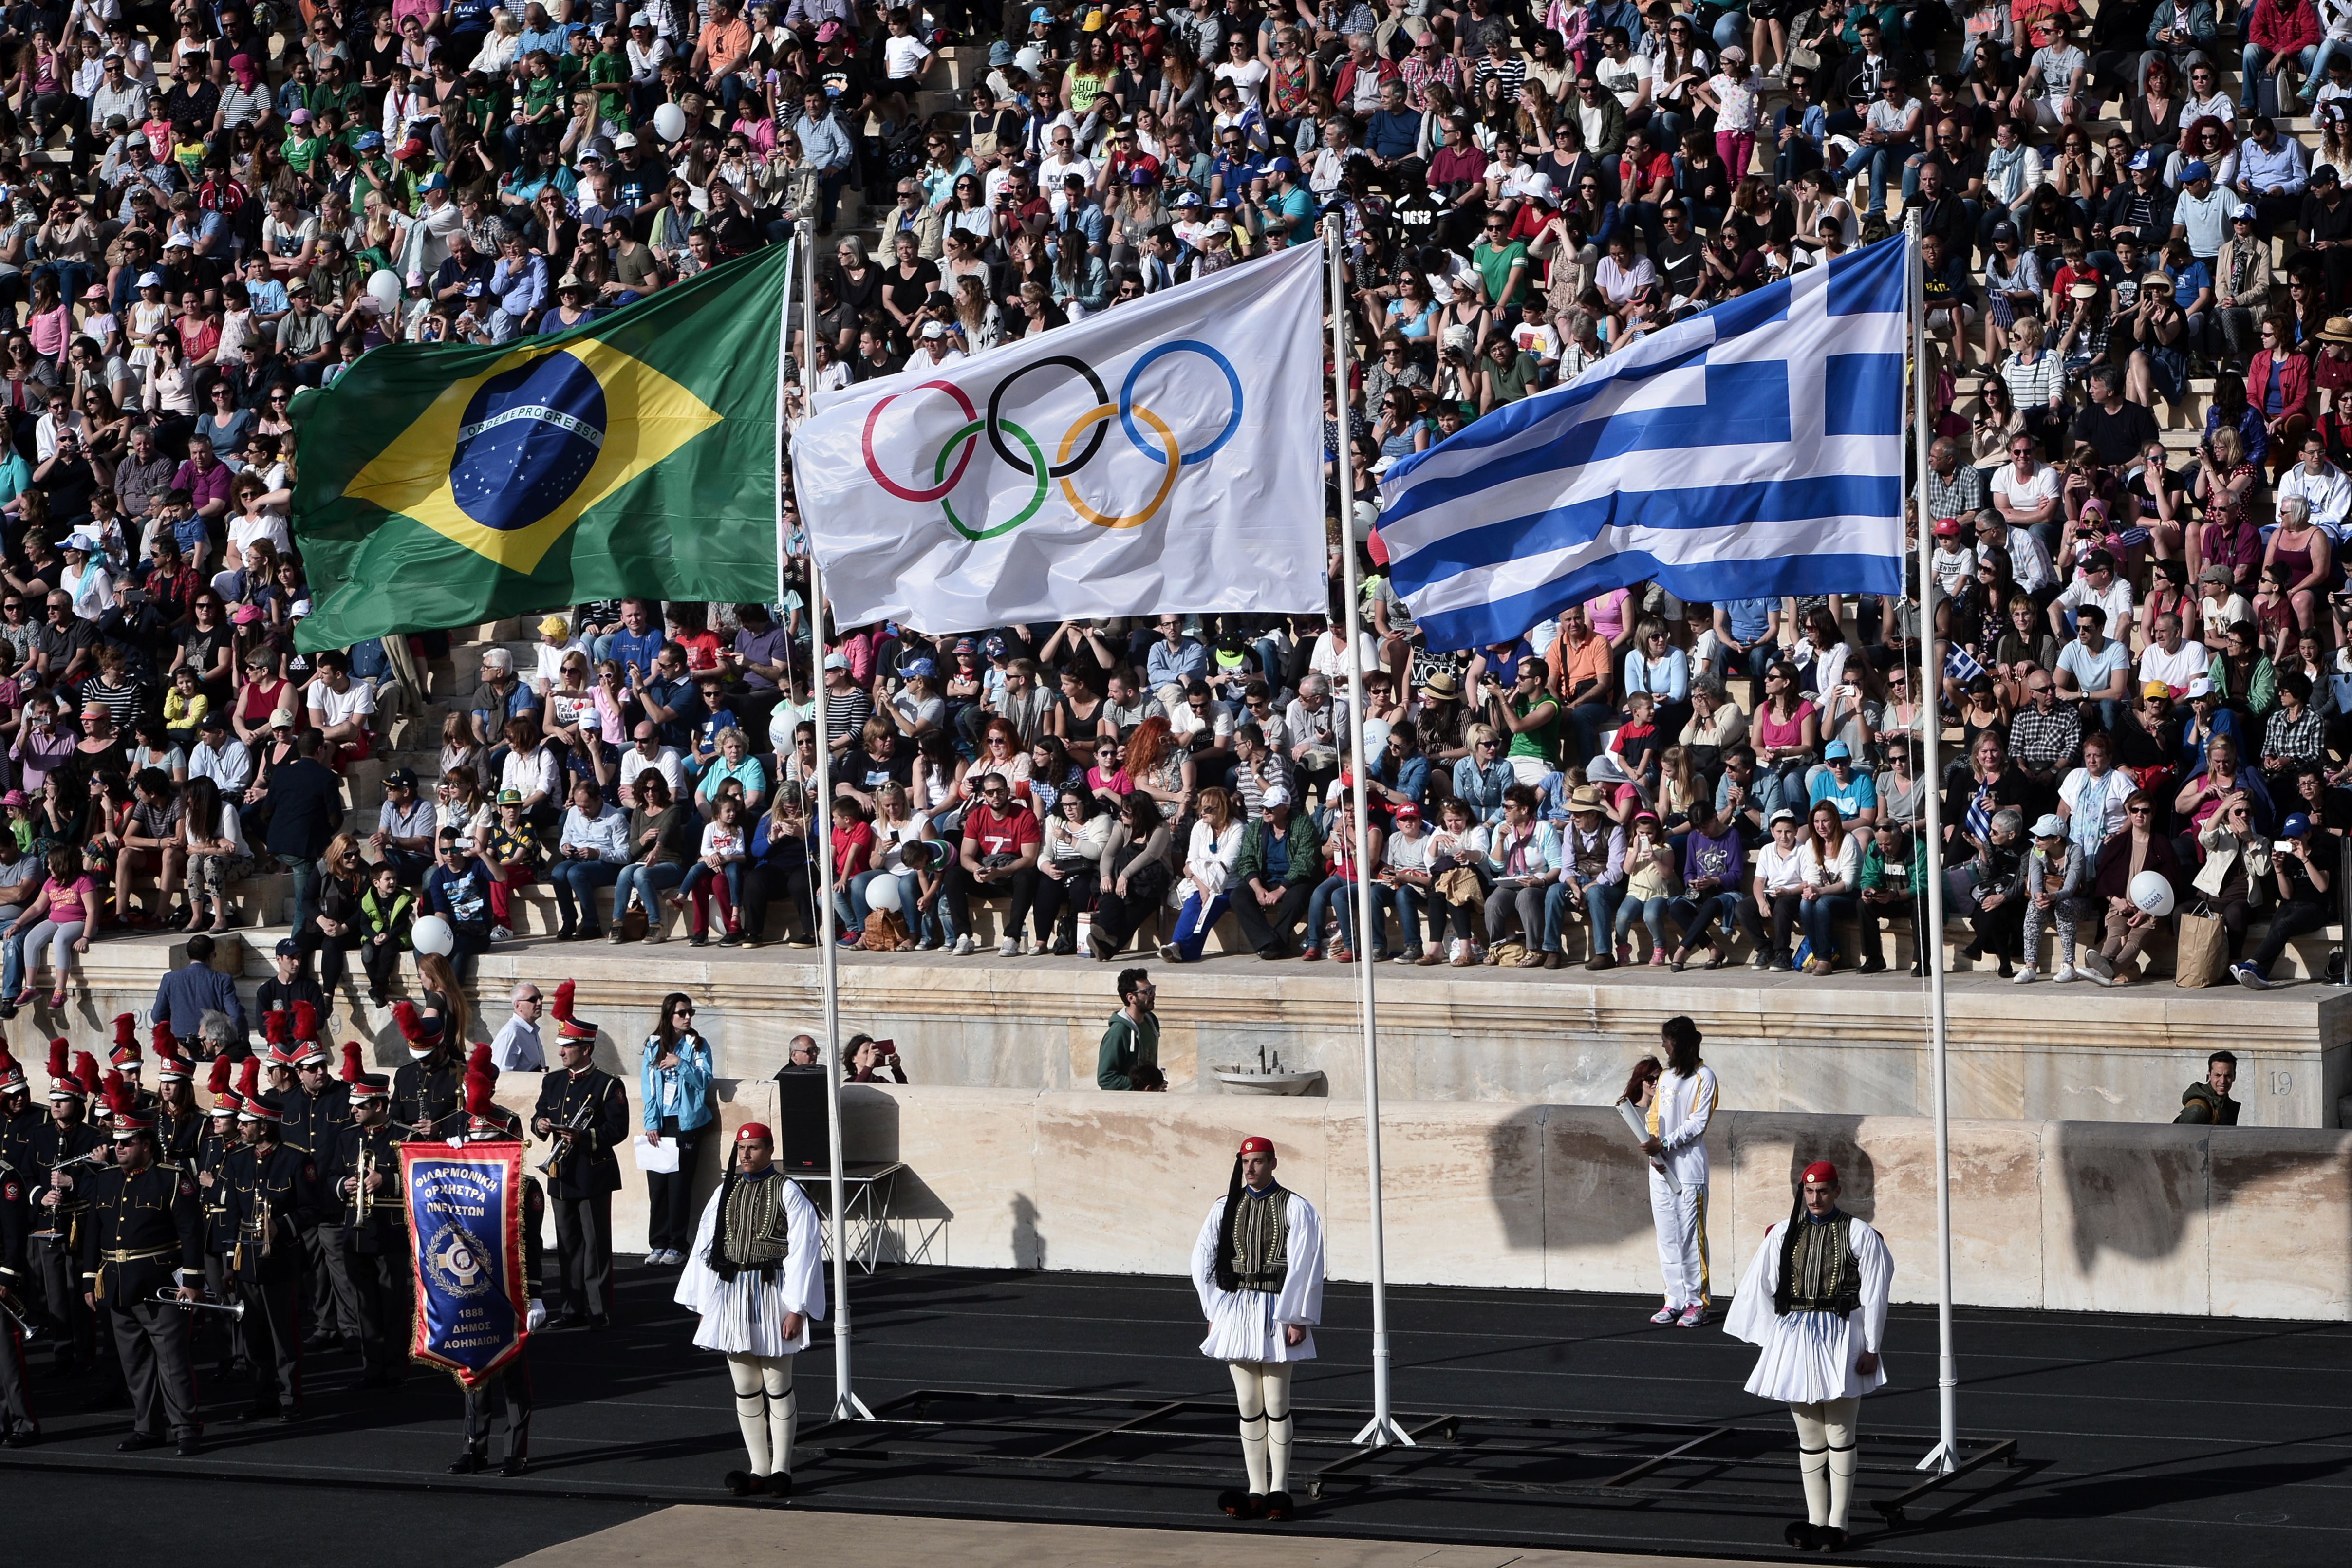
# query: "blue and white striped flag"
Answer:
x=1753 y=450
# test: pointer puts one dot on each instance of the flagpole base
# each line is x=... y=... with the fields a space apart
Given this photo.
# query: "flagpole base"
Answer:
x=1380 y=1432
x=1940 y=1458
x=849 y=1407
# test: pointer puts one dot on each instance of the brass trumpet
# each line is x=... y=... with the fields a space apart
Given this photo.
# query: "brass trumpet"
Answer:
x=27 y=1329
x=235 y=1310
x=575 y=1122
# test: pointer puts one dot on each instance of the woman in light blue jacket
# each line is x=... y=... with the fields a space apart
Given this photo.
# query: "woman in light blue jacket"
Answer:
x=673 y=1088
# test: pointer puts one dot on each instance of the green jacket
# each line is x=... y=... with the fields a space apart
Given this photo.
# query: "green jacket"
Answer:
x=1306 y=845
x=1128 y=1053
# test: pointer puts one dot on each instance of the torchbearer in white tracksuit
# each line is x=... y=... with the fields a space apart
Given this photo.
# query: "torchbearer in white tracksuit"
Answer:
x=1259 y=1265
x=756 y=1275
x=1814 y=1298
x=1677 y=1105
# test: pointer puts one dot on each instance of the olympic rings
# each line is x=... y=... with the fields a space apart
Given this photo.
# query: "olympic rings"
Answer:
x=1127 y=408
x=938 y=491
x=996 y=401
x=1028 y=457
x=1037 y=467
x=1173 y=459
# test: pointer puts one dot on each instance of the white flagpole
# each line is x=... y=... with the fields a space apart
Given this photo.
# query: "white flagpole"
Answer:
x=846 y=1406
x=1381 y=1430
x=1945 y=1455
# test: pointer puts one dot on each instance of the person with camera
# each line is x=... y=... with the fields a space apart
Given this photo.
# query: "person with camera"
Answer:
x=2302 y=863
x=675 y=1105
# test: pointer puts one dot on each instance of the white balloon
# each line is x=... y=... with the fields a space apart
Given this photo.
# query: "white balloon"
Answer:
x=2151 y=893
x=383 y=288
x=431 y=934
x=670 y=122
x=883 y=893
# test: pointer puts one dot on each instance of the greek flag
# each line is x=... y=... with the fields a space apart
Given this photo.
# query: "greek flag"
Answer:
x=1753 y=450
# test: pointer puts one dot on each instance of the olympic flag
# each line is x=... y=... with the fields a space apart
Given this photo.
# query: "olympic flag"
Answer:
x=1165 y=455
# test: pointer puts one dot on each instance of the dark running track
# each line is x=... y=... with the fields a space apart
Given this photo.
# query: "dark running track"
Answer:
x=2144 y=1440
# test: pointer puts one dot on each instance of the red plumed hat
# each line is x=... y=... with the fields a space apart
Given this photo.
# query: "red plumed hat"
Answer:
x=126 y=1031
x=218 y=1082
x=415 y=1027
x=306 y=1021
x=160 y=1037
x=57 y=1049
x=12 y=1075
x=86 y=1070
x=273 y=1026
x=123 y=1106
x=353 y=1064
x=248 y=1076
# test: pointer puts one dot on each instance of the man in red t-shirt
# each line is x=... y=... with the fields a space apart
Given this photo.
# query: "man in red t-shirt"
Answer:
x=1001 y=840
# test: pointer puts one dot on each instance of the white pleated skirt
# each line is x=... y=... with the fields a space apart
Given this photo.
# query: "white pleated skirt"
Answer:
x=1808 y=1357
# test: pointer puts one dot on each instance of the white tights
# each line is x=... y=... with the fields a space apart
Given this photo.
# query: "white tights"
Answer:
x=1825 y=1457
x=766 y=1408
x=1262 y=1390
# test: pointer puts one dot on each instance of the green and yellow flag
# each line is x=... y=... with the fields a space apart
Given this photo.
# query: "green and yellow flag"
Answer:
x=636 y=455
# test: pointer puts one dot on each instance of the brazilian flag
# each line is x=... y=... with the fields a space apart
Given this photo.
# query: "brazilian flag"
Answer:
x=442 y=486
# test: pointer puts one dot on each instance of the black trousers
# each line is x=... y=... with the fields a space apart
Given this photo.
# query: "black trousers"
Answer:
x=381 y=1282
x=583 y=1240
x=1068 y=899
x=764 y=884
x=1115 y=920
x=1020 y=888
x=15 y=1386
x=1271 y=928
x=150 y=1340
x=330 y=1301
x=271 y=1334
x=670 y=1194
x=508 y=1391
x=1784 y=919
x=60 y=1281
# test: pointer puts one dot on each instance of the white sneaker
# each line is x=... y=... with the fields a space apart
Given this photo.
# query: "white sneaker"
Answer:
x=1009 y=948
x=501 y=934
x=964 y=947
x=2027 y=975
x=2065 y=974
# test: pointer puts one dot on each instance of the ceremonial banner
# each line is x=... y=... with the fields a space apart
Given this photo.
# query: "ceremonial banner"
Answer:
x=1165 y=455
x=443 y=485
x=465 y=1233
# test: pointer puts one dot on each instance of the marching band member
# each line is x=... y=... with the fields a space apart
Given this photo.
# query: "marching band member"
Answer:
x=317 y=1108
x=370 y=1233
x=1258 y=1266
x=429 y=1090
x=220 y=1138
x=1814 y=1298
x=272 y=1199
x=144 y=1234
x=179 y=1120
x=756 y=1275
x=60 y=1146
x=18 y=1115
x=585 y=1109
x=18 y=1428
x=508 y=1390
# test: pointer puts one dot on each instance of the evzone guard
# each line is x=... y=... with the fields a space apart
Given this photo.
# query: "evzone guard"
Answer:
x=1814 y=1298
x=756 y=1275
x=1258 y=1266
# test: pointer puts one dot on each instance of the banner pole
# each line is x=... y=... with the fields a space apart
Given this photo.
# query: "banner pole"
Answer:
x=1381 y=1431
x=846 y=1406
x=1931 y=944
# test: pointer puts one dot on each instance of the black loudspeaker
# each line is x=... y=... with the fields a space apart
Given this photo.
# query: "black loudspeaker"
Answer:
x=800 y=1140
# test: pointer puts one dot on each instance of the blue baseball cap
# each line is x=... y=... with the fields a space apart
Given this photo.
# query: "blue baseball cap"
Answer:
x=1282 y=166
x=2295 y=827
x=1836 y=751
x=368 y=141
x=1040 y=15
x=915 y=667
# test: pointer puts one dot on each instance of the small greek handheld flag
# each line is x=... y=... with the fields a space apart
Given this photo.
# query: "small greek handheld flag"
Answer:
x=1753 y=450
x=1961 y=666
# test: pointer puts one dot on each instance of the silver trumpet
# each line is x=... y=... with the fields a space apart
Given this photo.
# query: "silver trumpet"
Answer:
x=235 y=1310
x=26 y=1328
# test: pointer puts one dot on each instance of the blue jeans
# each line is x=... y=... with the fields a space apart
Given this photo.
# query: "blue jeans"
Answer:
x=1822 y=916
x=1407 y=904
x=1651 y=912
x=1333 y=891
x=2251 y=63
x=1193 y=924
x=645 y=884
x=1600 y=900
x=1695 y=915
x=1876 y=160
x=576 y=882
x=305 y=869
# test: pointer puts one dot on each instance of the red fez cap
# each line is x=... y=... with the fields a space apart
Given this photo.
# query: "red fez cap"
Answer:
x=1821 y=1171
x=754 y=1133
x=1256 y=1146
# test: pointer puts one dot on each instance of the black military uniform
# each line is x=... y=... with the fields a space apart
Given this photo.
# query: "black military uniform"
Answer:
x=428 y=1094
x=213 y=1150
x=313 y=1122
x=582 y=1187
x=144 y=1230
x=370 y=1233
x=18 y=1428
x=272 y=1198
x=18 y=1126
x=56 y=1237
x=509 y=1388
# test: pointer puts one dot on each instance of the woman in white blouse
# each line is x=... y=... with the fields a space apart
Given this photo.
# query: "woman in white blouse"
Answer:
x=1831 y=870
x=1209 y=860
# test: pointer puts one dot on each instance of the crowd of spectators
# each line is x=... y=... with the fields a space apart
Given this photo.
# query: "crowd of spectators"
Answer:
x=2140 y=640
